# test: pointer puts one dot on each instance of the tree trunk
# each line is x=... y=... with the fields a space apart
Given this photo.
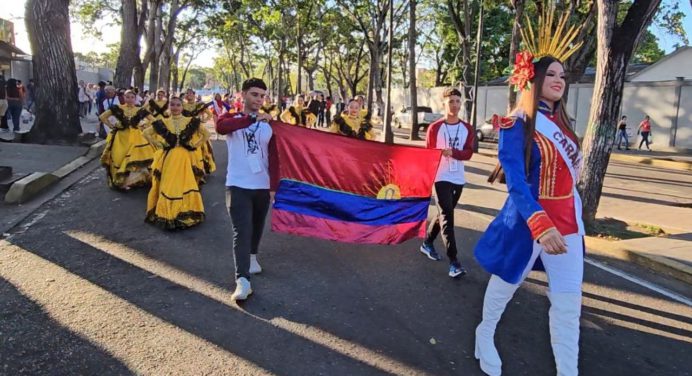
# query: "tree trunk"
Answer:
x=299 y=46
x=139 y=73
x=129 y=45
x=155 y=56
x=518 y=6
x=165 y=69
x=57 y=115
x=413 y=89
x=187 y=68
x=174 y=70
x=615 y=46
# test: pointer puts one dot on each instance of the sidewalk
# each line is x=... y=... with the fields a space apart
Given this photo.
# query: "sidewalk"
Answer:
x=36 y=167
x=662 y=159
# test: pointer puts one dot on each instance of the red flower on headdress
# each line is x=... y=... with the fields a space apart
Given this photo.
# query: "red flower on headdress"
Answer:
x=523 y=71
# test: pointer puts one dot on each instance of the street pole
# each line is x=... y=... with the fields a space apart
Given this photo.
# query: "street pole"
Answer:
x=474 y=109
x=388 y=134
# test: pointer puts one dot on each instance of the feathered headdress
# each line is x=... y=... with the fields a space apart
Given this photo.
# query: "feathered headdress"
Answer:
x=549 y=39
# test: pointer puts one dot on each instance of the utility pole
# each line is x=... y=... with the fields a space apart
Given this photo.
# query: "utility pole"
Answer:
x=479 y=37
x=388 y=134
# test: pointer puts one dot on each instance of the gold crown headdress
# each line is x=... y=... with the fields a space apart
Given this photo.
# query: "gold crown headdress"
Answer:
x=548 y=40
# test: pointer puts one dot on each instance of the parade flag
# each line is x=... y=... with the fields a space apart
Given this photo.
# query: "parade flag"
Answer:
x=349 y=190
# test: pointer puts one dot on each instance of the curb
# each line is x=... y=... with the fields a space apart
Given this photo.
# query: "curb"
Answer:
x=24 y=189
x=655 y=263
x=655 y=162
x=491 y=151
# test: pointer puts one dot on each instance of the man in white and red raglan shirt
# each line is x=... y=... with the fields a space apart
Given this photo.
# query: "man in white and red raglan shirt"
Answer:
x=247 y=180
x=455 y=138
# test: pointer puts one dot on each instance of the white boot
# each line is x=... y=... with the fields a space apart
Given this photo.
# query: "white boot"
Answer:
x=565 y=310
x=242 y=289
x=255 y=267
x=497 y=295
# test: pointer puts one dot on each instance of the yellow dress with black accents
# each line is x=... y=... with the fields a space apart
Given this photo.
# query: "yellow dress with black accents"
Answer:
x=272 y=110
x=296 y=115
x=158 y=109
x=352 y=126
x=127 y=155
x=205 y=153
x=175 y=201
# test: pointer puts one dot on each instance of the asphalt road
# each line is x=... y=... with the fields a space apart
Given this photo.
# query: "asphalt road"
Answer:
x=86 y=287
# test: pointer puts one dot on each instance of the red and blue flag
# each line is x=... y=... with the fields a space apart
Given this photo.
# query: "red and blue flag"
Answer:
x=339 y=188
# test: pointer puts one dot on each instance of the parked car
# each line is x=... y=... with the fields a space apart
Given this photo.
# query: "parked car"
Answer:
x=488 y=131
x=402 y=119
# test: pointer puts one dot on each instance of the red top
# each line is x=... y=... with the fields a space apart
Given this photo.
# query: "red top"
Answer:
x=465 y=153
x=645 y=125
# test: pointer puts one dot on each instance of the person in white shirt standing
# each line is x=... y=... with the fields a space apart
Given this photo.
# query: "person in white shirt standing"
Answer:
x=247 y=180
x=84 y=99
x=456 y=140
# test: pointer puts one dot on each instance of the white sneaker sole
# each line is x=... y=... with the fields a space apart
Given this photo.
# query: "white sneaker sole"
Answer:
x=240 y=296
x=422 y=250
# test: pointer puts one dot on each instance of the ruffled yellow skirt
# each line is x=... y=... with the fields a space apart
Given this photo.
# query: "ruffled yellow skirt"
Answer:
x=174 y=201
x=203 y=162
x=127 y=158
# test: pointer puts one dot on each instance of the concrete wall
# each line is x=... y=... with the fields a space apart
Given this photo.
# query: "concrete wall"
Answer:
x=21 y=70
x=656 y=99
x=94 y=76
x=677 y=64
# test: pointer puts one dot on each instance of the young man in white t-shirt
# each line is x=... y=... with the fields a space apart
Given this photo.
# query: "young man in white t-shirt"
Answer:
x=456 y=139
x=247 y=180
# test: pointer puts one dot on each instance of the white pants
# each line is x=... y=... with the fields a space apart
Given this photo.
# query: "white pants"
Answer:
x=565 y=271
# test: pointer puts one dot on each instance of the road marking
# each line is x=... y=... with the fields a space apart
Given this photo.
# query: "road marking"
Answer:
x=667 y=293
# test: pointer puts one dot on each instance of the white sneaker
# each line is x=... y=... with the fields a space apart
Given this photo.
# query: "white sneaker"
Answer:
x=255 y=267
x=242 y=289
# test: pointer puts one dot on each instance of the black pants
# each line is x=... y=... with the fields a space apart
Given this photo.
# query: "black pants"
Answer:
x=248 y=210
x=645 y=138
x=320 y=118
x=448 y=195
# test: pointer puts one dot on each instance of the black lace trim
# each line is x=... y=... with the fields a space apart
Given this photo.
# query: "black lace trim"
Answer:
x=194 y=113
x=177 y=223
x=158 y=110
x=344 y=128
x=183 y=139
x=301 y=119
x=128 y=122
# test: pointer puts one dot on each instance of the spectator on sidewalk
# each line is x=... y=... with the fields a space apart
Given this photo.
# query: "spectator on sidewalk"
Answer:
x=30 y=96
x=622 y=133
x=3 y=105
x=456 y=139
x=645 y=130
x=15 y=103
x=84 y=99
x=247 y=184
x=328 y=110
x=110 y=100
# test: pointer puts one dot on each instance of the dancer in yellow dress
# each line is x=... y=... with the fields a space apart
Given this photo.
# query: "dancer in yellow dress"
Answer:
x=352 y=123
x=158 y=108
x=205 y=154
x=127 y=156
x=269 y=108
x=298 y=114
x=175 y=201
